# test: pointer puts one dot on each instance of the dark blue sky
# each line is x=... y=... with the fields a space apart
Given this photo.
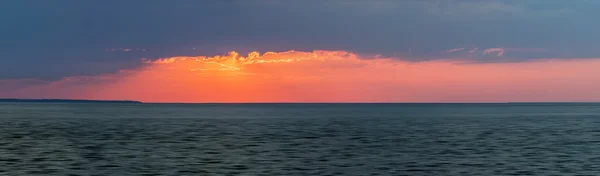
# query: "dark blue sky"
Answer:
x=53 y=39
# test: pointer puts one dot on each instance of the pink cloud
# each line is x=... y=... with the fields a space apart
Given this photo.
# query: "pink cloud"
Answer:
x=455 y=50
x=498 y=51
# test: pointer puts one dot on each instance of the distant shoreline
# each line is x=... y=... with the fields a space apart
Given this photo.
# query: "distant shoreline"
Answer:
x=16 y=100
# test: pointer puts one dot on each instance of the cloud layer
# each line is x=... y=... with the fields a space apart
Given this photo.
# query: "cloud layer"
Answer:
x=382 y=50
x=78 y=38
x=324 y=76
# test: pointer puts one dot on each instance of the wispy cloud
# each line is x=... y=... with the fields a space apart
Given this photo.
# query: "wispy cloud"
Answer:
x=455 y=50
x=498 y=51
x=498 y=54
x=124 y=49
x=473 y=50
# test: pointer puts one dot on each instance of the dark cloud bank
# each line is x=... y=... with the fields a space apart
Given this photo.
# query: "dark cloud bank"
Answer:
x=53 y=39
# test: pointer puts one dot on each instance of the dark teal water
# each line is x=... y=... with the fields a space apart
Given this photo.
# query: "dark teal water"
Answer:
x=300 y=139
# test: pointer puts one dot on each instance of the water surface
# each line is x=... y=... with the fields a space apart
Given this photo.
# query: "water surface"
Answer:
x=299 y=139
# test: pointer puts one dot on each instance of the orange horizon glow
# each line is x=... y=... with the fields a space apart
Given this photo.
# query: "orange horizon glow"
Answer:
x=327 y=76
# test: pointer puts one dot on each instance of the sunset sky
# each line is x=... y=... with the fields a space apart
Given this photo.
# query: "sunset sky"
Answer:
x=301 y=51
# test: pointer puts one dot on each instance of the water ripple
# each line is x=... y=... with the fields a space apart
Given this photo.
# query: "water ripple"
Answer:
x=335 y=142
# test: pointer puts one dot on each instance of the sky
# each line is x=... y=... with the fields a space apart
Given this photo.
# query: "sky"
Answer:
x=301 y=51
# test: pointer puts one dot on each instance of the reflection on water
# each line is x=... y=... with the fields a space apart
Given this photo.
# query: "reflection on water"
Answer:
x=300 y=139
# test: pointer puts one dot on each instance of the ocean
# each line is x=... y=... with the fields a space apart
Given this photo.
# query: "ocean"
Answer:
x=299 y=139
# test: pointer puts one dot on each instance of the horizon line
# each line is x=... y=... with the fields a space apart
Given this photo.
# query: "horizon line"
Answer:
x=300 y=102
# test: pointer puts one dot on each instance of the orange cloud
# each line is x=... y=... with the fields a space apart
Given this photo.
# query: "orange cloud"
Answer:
x=330 y=76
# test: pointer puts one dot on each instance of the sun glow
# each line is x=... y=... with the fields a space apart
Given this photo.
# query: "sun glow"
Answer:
x=252 y=78
x=325 y=76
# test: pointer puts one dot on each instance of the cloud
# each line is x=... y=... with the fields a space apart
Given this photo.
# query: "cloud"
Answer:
x=93 y=37
x=227 y=78
x=498 y=51
x=473 y=50
x=124 y=49
x=490 y=55
x=324 y=76
x=455 y=50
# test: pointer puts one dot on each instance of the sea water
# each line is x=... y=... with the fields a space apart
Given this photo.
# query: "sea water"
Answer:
x=299 y=139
